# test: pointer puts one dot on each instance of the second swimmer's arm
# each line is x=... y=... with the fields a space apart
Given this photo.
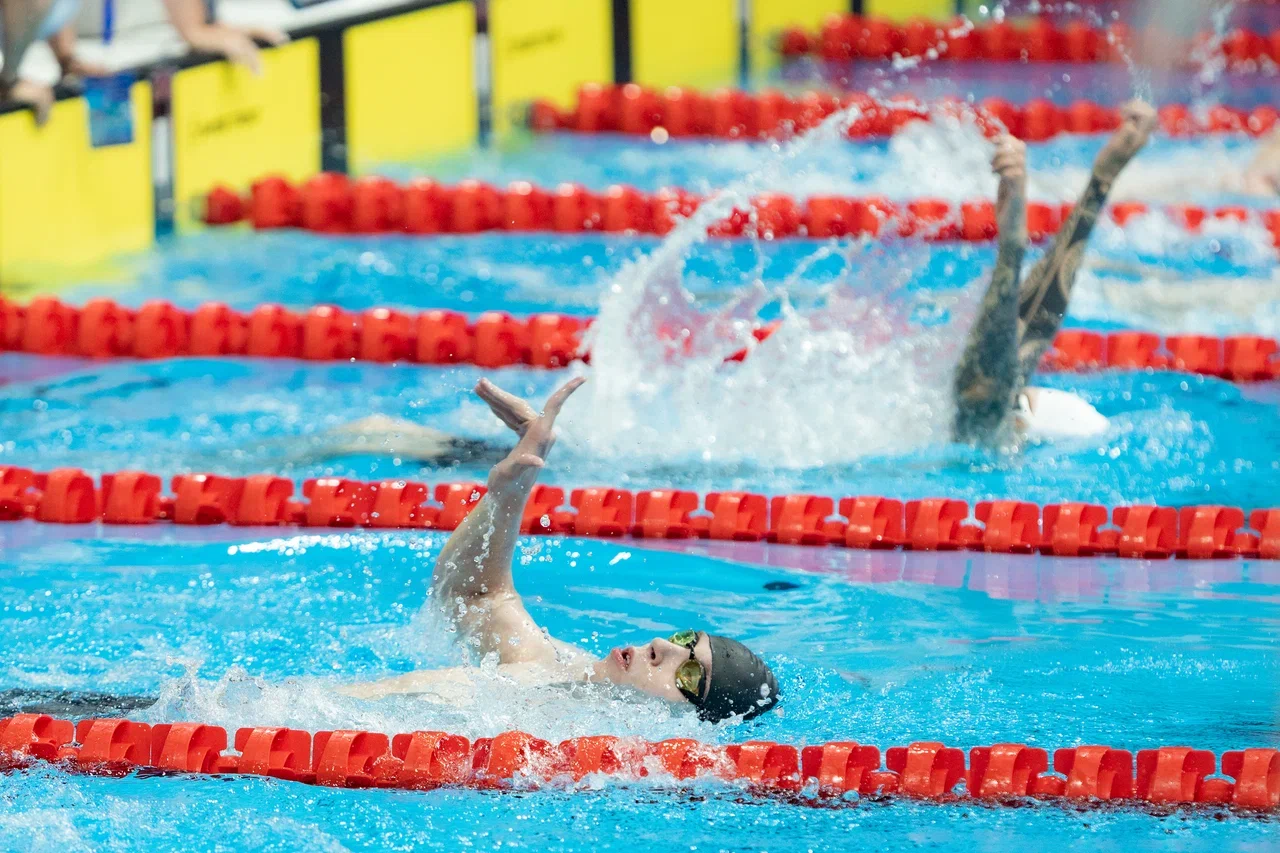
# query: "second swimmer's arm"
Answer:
x=1044 y=298
x=988 y=370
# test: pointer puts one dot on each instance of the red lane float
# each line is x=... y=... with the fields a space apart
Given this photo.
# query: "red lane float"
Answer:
x=571 y=208
x=843 y=38
x=103 y=329
x=736 y=114
x=46 y=326
x=69 y=496
x=1249 y=780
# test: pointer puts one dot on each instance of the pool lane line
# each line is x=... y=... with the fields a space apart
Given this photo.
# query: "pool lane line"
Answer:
x=847 y=38
x=103 y=329
x=1002 y=774
x=736 y=114
x=333 y=204
x=865 y=522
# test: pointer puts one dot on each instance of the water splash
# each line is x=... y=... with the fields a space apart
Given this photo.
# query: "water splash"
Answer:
x=846 y=377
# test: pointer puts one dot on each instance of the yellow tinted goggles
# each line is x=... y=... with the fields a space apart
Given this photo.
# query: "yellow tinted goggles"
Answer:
x=691 y=676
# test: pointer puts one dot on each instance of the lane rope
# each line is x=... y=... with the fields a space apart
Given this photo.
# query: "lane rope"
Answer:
x=867 y=522
x=997 y=774
x=844 y=38
x=103 y=329
x=332 y=203
x=636 y=110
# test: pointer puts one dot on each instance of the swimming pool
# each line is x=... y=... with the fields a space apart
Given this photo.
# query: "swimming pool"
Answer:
x=239 y=627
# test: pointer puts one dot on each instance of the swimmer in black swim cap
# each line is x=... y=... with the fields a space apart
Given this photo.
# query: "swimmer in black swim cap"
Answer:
x=720 y=677
x=474 y=589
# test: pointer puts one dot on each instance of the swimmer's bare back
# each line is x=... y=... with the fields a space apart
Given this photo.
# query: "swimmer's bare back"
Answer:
x=1016 y=324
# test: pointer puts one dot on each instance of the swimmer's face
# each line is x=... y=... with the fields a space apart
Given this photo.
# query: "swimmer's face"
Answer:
x=651 y=668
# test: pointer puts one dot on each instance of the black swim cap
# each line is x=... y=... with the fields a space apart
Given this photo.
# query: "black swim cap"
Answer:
x=741 y=683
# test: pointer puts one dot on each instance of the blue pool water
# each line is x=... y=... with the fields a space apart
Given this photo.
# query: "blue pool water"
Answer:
x=257 y=627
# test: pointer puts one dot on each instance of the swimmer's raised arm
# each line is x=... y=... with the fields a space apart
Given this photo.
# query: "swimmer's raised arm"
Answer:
x=1043 y=302
x=988 y=371
x=473 y=580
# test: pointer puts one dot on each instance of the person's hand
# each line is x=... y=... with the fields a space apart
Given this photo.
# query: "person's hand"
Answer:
x=35 y=95
x=237 y=44
x=1137 y=121
x=536 y=431
x=1010 y=159
x=74 y=68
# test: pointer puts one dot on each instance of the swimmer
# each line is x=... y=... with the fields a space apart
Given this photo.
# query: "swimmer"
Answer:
x=1015 y=328
x=1017 y=323
x=474 y=589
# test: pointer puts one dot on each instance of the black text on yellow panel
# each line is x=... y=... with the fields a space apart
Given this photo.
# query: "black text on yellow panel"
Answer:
x=231 y=127
x=545 y=50
x=65 y=206
x=410 y=88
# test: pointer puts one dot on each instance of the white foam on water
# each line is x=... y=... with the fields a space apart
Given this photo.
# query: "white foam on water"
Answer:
x=486 y=704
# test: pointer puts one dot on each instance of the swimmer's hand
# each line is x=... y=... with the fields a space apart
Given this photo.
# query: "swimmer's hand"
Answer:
x=536 y=431
x=1010 y=160
x=1010 y=164
x=1137 y=120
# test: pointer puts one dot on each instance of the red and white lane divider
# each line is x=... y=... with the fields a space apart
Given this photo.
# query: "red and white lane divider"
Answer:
x=70 y=496
x=851 y=37
x=103 y=328
x=735 y=114
x=332 y=203
x=1168 y=776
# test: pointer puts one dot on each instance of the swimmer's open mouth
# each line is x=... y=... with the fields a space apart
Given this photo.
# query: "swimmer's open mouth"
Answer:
x=624 y=657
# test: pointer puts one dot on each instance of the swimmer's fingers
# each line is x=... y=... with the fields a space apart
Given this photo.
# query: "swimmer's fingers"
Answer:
x=1010 y=158
x=556 y=402
x=507 y=407
x=1139 y=113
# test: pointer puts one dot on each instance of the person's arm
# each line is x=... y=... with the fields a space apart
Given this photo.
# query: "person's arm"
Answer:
x=986 y=378
x=472 y=582
x=63 y=45
x=22 y=20
x=1044 y=298
x=235 y=43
